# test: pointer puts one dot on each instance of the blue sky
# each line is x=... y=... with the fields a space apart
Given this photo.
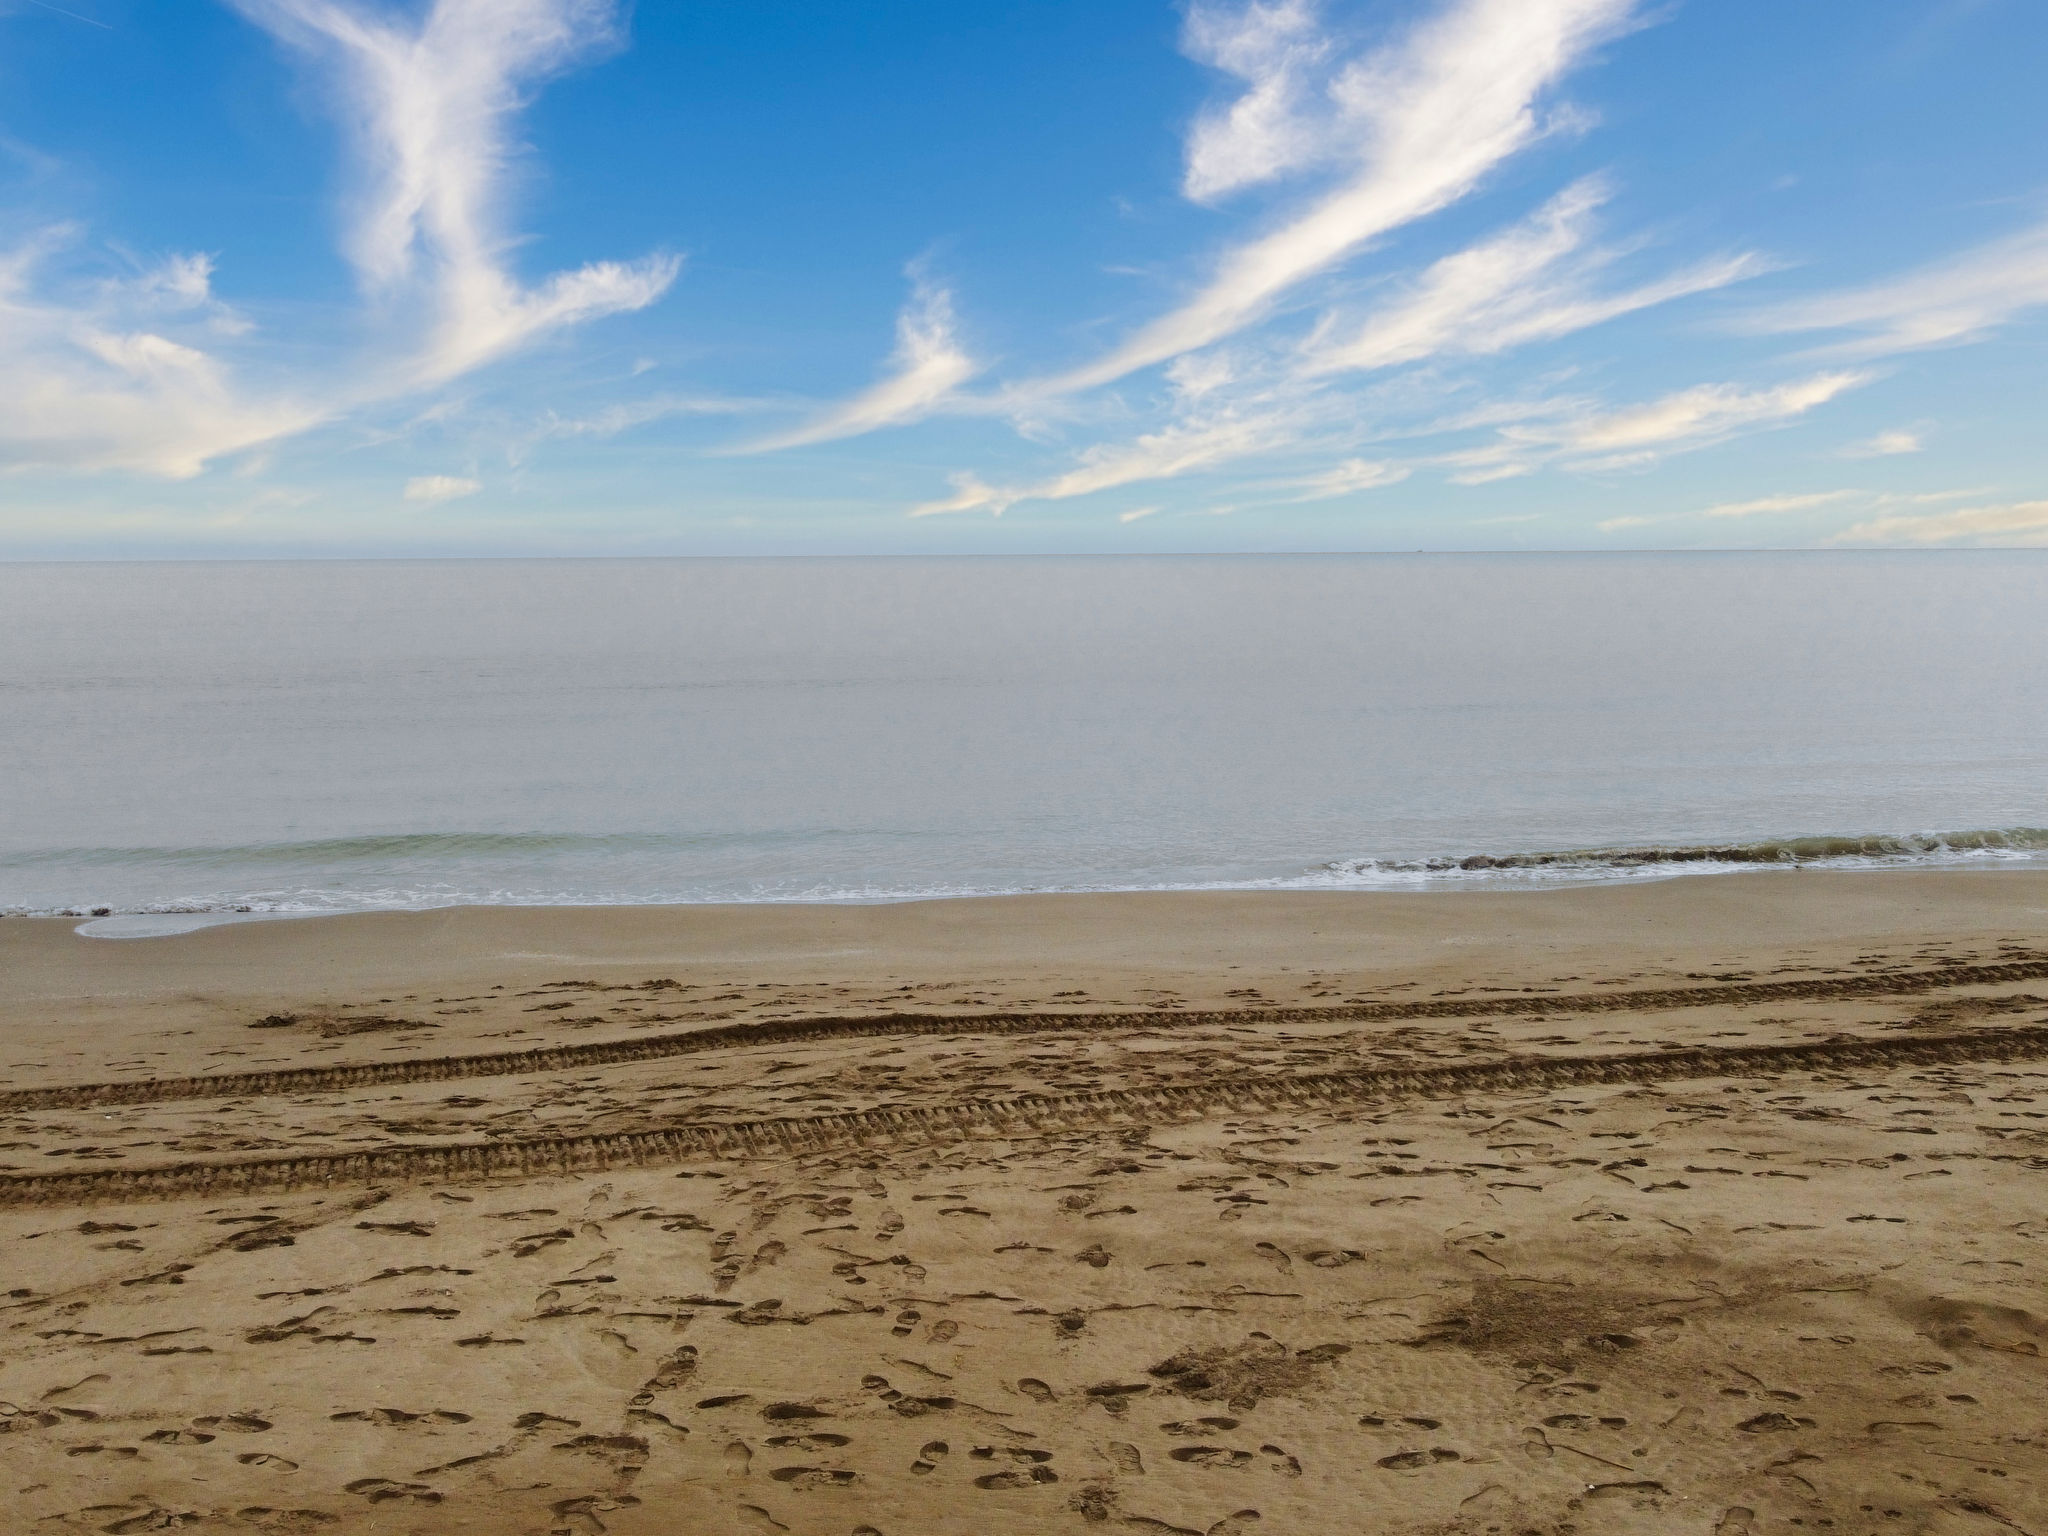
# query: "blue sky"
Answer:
x=786 y=276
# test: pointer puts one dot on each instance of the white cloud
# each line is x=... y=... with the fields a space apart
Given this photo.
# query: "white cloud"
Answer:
x=928 y=366
x=1639 y=434
x=1959 y=300
x=1884 y=445
x=1705 y=412
x=1763 y=505
x=1531 y=283
x=1351 y=475
x=1164 y=455
x=431 y=104
x=1422 y=119
x=625 y=415
x=89 y=381
x=1136 y=513
x=2001 y=525
x=1175 y=450
x=1278 y=50
x=970 y=494
x=432 y=488
x=129 y=374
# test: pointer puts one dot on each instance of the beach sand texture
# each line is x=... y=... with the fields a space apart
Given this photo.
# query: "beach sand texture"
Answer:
x=1710 y=1205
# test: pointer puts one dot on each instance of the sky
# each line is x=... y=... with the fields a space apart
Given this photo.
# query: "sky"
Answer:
x=575 y=277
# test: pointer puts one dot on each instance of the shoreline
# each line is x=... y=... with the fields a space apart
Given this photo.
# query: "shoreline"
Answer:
x=1182 y=949
x=171 y=922
x=1984 y=850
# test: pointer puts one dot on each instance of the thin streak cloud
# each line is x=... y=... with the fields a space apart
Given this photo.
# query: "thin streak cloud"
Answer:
x=928 y=366
x=1426 y=117
x=100 y=379
x=1640 y=434
x=1946 y=303
x=2002 y=525
x=1531 y=283
x=430 y=107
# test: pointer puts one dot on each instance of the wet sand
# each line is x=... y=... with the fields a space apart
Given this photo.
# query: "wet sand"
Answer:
x=1713 y=1205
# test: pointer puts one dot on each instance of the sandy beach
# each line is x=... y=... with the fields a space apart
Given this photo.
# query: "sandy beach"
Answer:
x=1704 y=1205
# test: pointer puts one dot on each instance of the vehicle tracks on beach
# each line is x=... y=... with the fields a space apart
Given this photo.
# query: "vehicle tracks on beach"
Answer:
x=570 y=1058
x=1023 y=1115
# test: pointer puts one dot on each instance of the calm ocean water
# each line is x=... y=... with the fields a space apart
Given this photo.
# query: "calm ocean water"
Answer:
x=335 y=736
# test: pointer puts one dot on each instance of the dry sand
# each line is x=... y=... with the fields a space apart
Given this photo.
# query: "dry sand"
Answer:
x=1713 y=1205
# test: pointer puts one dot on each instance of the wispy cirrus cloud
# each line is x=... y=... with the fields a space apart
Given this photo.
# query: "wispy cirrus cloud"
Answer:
x=929 y=364
x=115 y=374
x=1995 y=525
x=1639 y=434
x=1532 y=282
x=623 y=416
x=1400 y=129
x=1761 y=506
x=1885 y=445
x=150 y=373
x=1281 y=53
x=1348 y=477
x=437 y=488
x=1946 y=303
x=1420 y=120
x=1175 y=450
x=430 y=105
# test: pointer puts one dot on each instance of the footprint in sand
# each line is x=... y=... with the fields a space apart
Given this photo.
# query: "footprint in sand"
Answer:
x=928 y=1457
x=152 y=1520
x=1030 y=1468
x=382 y=1490
x=1212 y=1456
x=1125 y=1458
x=1280 y=1461
x=739 y=1458
x=783 y=1413
x=398 y=1416
x=673 y=1372
x=803 y=1479
x=1187 y=1428
x=1020 y=1477
x=1408 y=1461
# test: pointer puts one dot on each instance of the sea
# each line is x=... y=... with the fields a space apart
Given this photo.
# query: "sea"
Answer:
x=189 y=742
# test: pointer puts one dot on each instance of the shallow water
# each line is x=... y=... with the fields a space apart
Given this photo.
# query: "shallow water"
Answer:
x=332 y=736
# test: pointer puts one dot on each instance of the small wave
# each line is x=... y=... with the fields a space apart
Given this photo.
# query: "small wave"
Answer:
x=346 y=875
x=2004 y=843
x=393 y=848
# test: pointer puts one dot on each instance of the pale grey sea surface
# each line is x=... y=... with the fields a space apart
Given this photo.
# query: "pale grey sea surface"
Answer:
x=329 y=736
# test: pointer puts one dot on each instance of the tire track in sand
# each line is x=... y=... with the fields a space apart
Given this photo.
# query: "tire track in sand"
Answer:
x=1030 y=1114
x=570 y=1058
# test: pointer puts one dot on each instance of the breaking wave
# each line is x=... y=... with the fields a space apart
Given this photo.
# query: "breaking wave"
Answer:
x=1578 y=864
